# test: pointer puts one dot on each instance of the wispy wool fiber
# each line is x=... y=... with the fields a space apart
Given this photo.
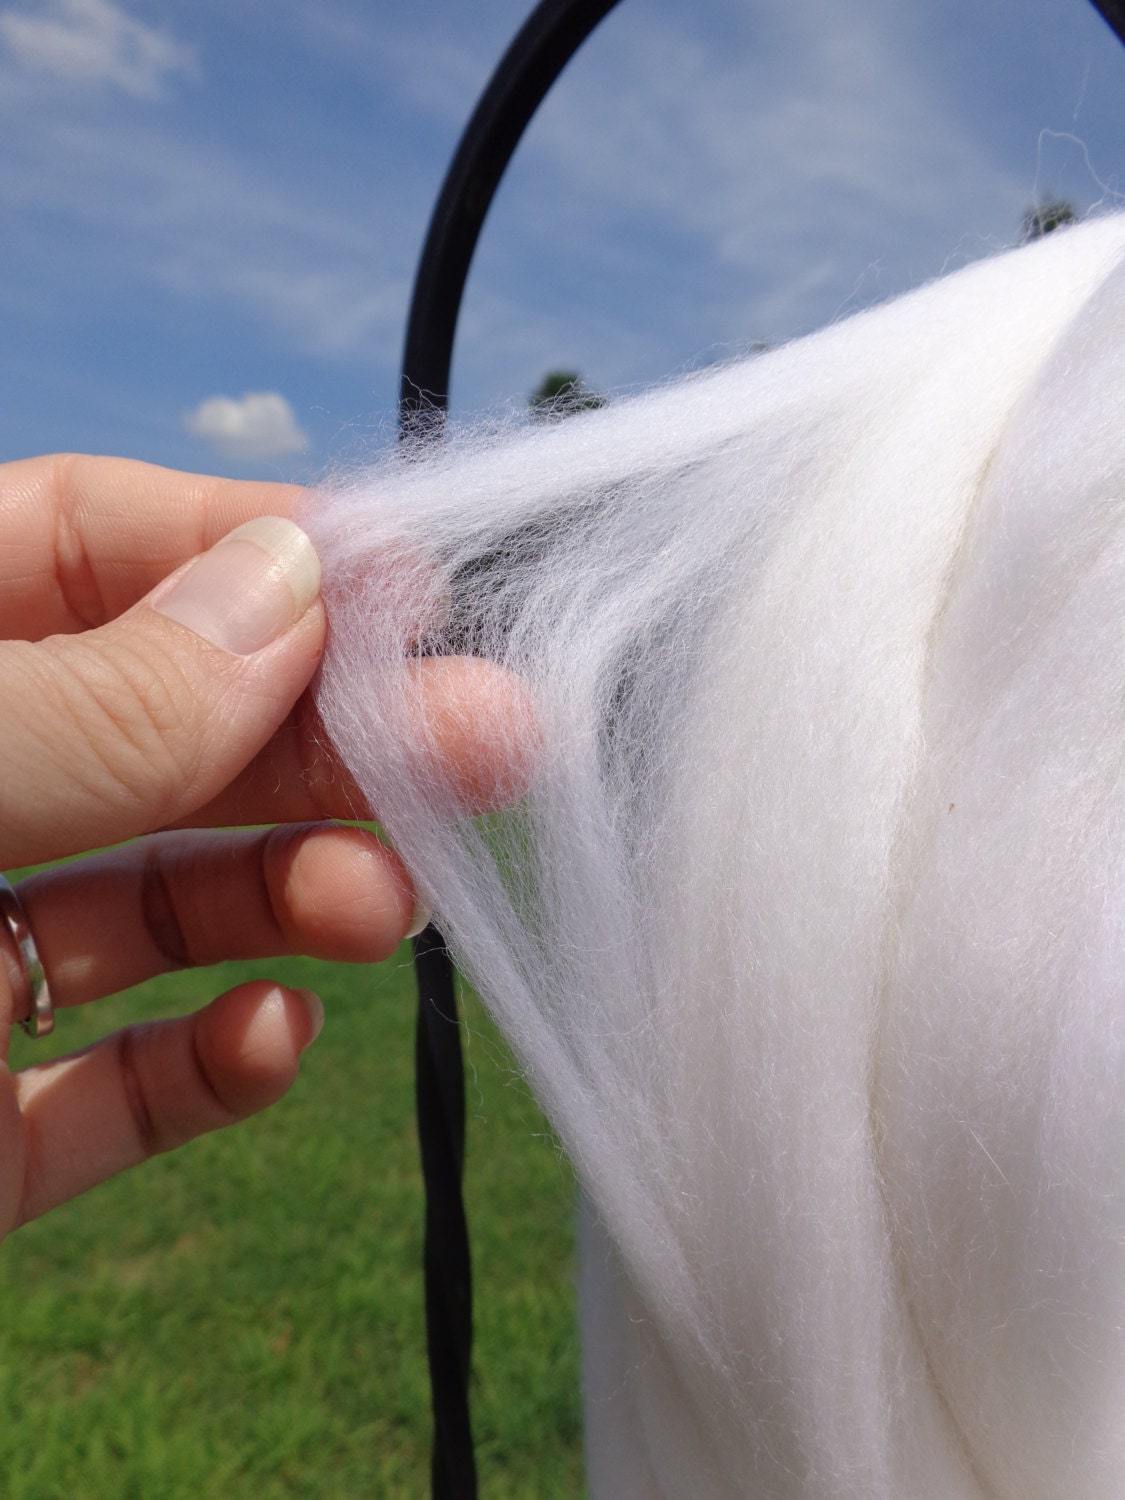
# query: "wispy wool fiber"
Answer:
x=810 y=930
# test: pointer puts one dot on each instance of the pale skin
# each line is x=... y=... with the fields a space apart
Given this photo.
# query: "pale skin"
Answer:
x=119 y=721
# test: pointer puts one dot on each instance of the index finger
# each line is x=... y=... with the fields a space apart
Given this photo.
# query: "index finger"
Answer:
x=82 y=539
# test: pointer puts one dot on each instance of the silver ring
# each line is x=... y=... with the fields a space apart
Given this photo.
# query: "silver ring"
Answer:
x=36 y=993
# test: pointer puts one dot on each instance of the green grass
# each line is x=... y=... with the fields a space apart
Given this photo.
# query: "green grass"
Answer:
x=243 y=1318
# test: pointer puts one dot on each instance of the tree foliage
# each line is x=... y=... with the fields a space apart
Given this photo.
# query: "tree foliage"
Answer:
x=562 y=393
x=1043 y=218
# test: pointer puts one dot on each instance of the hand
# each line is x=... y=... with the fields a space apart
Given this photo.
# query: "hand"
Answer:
x=152 y=674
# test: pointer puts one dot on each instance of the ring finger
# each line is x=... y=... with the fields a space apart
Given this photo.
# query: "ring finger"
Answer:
x=197 y=897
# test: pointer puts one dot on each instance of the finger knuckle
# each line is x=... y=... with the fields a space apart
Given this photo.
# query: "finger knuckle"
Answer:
x=131 y=713
x=161 y=911
x=150 y=1140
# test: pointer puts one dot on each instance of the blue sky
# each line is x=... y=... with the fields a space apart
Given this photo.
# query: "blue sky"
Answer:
x=204 y=200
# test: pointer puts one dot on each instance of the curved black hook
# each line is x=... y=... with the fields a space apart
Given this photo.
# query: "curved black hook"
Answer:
x=541 y=49
x=1113 y=14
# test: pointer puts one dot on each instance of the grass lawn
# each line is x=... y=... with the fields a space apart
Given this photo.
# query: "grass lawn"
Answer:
x=243 y=1318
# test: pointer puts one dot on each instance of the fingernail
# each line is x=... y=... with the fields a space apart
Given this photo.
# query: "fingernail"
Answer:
x=315 y=1007
x=249 y=589
x=421 y=918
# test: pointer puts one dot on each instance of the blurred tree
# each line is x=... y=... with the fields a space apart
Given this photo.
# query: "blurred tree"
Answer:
x=562 y=393
x=1042 y=218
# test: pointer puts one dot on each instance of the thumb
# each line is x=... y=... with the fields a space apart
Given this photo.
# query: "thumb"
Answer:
x=125 y=728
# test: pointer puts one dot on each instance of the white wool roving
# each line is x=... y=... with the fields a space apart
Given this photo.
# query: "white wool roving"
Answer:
x=810 y=931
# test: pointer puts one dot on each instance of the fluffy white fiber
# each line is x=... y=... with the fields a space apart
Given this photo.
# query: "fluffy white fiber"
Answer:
x=810 y=931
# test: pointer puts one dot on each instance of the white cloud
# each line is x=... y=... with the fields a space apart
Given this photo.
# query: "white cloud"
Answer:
x=180 y=201
x=96 y=42
x=215 y=227
x=261 y=424
x=720 y=172
x=832 y=143
x=336 y=310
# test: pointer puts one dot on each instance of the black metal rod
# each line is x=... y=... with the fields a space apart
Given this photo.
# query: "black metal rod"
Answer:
x=1113 y=13
x=541 y=49
x=447 y=1268
x=537 y=55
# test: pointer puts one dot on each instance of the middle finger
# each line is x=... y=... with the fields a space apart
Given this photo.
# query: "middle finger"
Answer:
x=475 y=716
x=197 y=897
